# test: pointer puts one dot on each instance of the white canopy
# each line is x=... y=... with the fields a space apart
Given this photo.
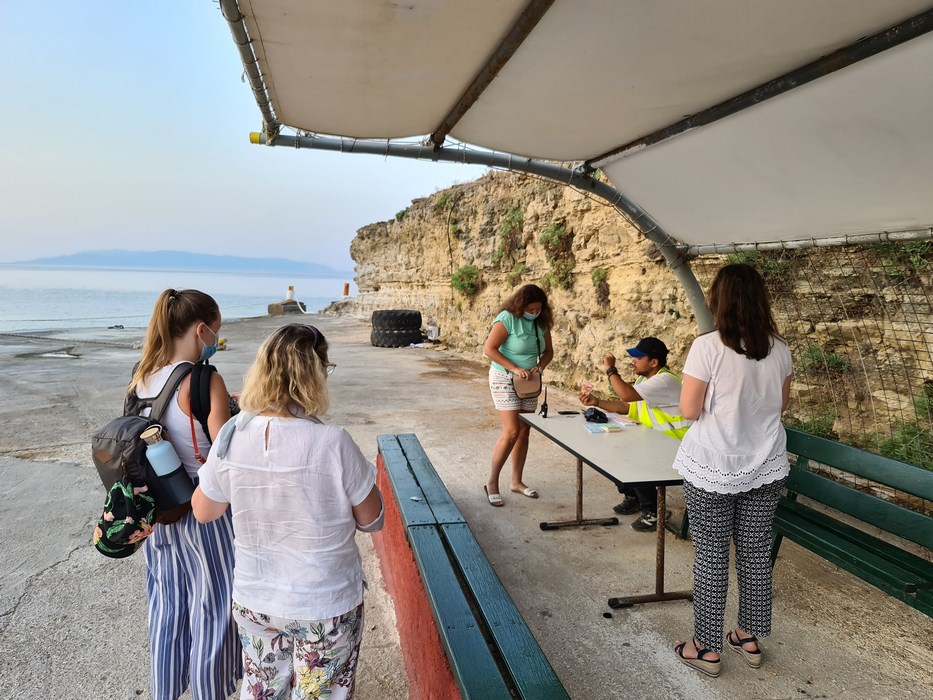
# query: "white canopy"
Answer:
x=846 y=149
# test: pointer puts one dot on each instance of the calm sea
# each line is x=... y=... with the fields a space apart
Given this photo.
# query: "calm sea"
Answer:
x=36 y=299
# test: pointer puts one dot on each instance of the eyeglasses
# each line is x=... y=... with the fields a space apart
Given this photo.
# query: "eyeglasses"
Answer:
x=316 y=338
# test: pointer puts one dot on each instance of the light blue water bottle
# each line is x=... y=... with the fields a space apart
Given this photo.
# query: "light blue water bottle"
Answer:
x=159 y=452
x=173 y=486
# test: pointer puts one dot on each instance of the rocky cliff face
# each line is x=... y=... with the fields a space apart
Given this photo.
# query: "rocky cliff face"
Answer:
x=497 y=224
x=858 y=320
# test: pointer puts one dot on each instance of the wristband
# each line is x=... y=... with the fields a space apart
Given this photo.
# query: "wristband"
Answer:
x=612 y=370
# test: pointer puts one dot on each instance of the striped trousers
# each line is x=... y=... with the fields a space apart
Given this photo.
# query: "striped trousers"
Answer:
x=716 y=519
x=189 y=582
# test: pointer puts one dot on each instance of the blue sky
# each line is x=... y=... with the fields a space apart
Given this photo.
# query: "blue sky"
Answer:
x=126 y=125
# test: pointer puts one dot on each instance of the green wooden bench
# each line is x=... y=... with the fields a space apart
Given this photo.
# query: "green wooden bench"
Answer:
x=900 y=573
x=490 y=649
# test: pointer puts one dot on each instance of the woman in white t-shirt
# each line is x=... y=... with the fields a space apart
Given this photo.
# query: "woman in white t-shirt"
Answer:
x=736 y=384
x=298 y=490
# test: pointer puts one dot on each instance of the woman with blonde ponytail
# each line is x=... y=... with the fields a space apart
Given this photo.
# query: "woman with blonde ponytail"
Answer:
x=189 y=566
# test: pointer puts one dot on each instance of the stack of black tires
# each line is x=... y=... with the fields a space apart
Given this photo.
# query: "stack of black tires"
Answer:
x=396 y=328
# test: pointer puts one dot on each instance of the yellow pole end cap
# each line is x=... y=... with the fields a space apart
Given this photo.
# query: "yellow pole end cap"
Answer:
x=255 y=137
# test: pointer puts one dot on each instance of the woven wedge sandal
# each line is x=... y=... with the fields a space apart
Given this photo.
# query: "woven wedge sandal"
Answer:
x=710 y=668
x=752 y=658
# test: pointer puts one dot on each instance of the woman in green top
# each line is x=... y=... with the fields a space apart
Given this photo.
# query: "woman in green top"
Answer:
x=520 y=344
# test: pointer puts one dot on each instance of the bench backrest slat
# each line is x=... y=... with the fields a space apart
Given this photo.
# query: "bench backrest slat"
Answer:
x=883 y=470
x=890 y=517
x=412 y=504
x=532 y=674
x=473 y=666
x=437 y=495
x=468 y=601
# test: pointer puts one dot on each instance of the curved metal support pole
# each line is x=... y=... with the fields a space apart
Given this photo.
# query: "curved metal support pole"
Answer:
x=695 y=297
x=675 y=255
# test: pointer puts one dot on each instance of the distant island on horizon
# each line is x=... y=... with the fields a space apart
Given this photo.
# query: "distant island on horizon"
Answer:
x=180 y=260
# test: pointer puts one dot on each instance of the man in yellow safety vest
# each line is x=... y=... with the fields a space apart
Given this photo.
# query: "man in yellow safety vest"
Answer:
x=653 y=400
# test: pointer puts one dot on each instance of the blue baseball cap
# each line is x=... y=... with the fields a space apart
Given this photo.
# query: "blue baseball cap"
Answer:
x=650 y=347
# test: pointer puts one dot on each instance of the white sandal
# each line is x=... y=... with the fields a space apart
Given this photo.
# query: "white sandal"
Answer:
x=527 y=491
x=495 y=500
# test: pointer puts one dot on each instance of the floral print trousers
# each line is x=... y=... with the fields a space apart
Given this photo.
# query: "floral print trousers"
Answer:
x=298 y=659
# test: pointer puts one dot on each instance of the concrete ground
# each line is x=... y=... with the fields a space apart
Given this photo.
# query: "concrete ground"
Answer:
x=73 y=623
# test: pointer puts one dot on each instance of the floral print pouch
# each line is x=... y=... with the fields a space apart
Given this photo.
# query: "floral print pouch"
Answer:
x=126 y=520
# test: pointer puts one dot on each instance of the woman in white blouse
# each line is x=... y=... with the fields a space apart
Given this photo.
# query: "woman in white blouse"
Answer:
x=736 y=384
x=298 y=490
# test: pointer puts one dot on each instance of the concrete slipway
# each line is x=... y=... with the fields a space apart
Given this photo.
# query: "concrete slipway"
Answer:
x=73 y=624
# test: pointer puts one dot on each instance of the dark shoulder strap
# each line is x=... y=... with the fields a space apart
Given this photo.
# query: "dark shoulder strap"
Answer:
x=534 y=326
x=201 y=394
x=132 y=404
x=160 y=403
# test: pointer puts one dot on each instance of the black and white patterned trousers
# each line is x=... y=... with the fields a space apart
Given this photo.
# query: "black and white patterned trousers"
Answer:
x=715 y=520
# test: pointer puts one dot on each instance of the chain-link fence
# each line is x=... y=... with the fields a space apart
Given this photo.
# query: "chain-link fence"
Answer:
x=859 y=322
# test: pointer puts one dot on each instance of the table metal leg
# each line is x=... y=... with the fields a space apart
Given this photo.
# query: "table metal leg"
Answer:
x=659 y=595
x=579 y=520
x=680 y=530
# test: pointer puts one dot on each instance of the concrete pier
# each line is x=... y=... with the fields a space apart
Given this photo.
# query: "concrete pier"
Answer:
x=73 y=623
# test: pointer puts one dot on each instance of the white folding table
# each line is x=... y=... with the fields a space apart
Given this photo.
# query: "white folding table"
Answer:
x=633 y=456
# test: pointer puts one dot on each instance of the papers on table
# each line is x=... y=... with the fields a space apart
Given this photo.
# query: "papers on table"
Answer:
x=620 y=420
x=615 y=424
x=602 y=427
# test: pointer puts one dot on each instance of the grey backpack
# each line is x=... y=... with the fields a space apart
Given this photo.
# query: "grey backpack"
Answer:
x=117 y=449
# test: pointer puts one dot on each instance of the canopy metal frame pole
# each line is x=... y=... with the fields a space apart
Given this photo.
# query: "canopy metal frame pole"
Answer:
x=859 y=51
x=675 y=255
x=520 y=31
x=900 y=236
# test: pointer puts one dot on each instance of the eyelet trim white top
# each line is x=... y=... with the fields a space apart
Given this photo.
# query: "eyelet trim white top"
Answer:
x=738 y=442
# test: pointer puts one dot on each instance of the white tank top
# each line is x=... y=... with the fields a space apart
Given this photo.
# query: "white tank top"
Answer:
x=176 y=424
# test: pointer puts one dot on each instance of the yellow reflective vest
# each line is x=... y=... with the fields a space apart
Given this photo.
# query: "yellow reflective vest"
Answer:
x=673 y=425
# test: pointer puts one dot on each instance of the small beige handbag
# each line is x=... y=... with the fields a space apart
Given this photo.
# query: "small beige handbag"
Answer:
x=527 y=388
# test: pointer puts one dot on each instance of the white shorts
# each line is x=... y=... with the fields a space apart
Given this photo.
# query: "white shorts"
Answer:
x=503 y=393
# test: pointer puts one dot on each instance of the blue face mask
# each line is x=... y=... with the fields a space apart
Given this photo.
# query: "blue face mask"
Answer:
x=531 y=317
x=207 y=352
